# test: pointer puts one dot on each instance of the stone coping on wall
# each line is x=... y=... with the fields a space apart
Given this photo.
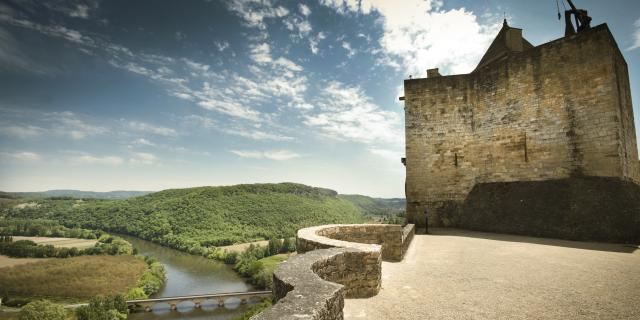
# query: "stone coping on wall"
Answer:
x=314 y=283
x=322 y=237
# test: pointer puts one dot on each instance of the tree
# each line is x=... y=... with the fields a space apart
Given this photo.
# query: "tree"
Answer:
x=288 y=245
x=42 y=310
x=274 y=247
x=104 y=308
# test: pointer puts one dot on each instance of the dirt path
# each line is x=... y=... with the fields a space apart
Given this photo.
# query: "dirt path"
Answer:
x=453 y=274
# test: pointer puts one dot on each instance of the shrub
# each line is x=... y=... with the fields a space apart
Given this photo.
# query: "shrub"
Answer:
x=42 y=310
x=266 y=303
x=288 y=245
x=135 y=293
x=231 y=258
x=104 y=308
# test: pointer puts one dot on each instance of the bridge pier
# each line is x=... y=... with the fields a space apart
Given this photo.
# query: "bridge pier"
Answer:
x=197 y=300
x=147 y=307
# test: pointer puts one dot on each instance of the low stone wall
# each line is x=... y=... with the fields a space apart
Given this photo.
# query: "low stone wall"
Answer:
x=407 y=236
x=334 y=262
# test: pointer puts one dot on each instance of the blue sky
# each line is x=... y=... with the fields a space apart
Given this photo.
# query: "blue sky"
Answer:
x=149 y=95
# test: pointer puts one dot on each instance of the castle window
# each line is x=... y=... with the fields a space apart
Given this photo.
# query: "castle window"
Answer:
x=455 y=159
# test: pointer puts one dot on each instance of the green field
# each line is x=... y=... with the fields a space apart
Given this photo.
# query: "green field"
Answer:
x=71 y=279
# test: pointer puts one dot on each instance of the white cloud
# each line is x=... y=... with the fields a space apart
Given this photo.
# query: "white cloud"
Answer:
x=254 y=12
x=347 y=46
x=222 y=45
x=47 y=124
x=90 y=159
x=54 y=30
x=304 y=9
x=314 y=41
x=301 y=27
x=183 y=96
x=80 y=11
x=257 y=134
x=153 y=129
x=636 y=36
x=347 y=113
x=195 y=66
x=22 y=132
x=20 y=156
x=143 y=158
x=241 y=131
x=230 y=107
x=142 y=142
x=421 y=35
x=278 y=155
x=68 y=123
x=261 y=53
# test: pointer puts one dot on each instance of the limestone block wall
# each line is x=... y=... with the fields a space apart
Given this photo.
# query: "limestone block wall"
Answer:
x=557 y=110
x=314 y=283
x=389 y=236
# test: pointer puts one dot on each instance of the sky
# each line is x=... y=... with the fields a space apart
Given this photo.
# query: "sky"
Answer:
x=150 y=95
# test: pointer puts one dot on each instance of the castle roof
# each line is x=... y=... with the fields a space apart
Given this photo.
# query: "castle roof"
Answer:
x=508 y=40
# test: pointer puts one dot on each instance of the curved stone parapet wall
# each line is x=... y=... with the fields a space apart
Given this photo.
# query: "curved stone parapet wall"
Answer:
x=334 y=262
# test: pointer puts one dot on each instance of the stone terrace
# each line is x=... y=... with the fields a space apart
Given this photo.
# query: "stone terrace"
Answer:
x=455 y=274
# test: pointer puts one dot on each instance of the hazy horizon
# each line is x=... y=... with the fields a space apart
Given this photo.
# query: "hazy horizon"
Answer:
x=147 y=95
x=152 y=191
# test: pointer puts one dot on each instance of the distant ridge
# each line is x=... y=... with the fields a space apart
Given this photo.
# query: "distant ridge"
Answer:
x=117 y=194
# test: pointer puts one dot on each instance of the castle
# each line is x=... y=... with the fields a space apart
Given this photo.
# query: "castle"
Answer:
x=537 y=140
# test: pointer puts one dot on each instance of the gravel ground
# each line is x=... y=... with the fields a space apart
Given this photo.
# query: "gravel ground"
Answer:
x=455 y=274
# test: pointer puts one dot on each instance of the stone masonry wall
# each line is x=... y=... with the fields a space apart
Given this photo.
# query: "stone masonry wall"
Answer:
x=557 y=110
x=389 y=236
x=314 y=283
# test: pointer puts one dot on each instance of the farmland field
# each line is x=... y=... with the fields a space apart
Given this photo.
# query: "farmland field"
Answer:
x=10 y=262
x=73 y=278
x=60 y=242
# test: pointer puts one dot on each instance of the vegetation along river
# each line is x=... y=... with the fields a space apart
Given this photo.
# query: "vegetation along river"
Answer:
x=189 y=274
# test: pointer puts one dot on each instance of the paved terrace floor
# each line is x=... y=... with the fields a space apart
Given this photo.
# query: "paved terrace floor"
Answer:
x=455 y=274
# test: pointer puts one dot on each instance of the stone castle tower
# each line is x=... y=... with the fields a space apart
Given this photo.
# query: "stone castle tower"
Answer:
x=536 y=140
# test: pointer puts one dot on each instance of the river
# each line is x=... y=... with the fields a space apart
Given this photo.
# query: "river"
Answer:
x=189 y=274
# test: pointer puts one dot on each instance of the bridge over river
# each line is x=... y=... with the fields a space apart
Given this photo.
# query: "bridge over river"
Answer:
x=197 y=300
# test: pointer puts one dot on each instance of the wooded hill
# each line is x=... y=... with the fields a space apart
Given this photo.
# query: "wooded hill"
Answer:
x=205 y=216
x=119 y=194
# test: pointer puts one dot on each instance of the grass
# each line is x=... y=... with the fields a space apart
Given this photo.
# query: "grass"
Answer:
x=270 y=263
x=10 y=262
x=243 y=246
x=70 y=279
